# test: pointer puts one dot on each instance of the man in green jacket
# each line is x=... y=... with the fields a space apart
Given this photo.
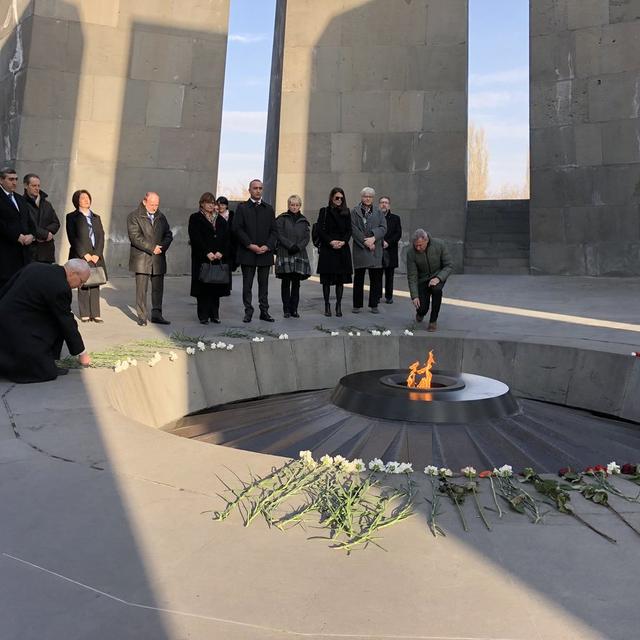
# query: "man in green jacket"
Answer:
x=428 y=267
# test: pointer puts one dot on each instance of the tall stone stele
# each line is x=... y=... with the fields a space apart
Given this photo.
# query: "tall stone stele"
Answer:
x=372 y=93
x=585 y=137
x=118 y=98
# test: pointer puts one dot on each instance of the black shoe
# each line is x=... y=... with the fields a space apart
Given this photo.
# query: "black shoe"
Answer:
x=295 y=314
x=61 y=372
x=327 y=309
x=204 y=322
x=160 y=320
x=266 y=317
x=286 y=314
x=389 y=300
x=419 y=318
x=215 y=320
x=141 y=322
x=338 y=310
x=356 y=310
x=374 y=310
x=247 y=317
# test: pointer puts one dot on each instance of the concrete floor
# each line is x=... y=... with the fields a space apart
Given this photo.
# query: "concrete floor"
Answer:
x=104 y=532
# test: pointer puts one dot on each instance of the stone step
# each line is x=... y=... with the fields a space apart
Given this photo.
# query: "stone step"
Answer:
x=497 y=270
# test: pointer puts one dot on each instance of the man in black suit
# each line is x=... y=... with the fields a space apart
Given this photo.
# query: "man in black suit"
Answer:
x=254 y=227
x=150 y=237
x=45 y=219
x=36 y=318
x=17 y=228
x=390 y=246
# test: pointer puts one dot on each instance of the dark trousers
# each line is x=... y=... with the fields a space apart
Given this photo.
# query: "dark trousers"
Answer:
x=290 y=290
x=157 y=289
x=208 y=307
x=375 y=287
x=248 y=274
x=430 y=294
x=388 y=282
x=89 y=302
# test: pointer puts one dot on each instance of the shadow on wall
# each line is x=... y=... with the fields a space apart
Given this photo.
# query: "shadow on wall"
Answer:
x=169 y=133
x=40 y=67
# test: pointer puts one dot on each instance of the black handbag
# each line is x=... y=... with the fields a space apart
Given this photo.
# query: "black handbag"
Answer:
x=315 y=232
x=97 y=277
x=214 y=273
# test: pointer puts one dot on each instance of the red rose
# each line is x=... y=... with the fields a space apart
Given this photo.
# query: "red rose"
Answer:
x=600 y=468
x=629 y=469
x=589 y=470
x=564 y=471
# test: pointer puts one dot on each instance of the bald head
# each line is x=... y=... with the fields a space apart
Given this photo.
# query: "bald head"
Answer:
x=77 y=271
x=151 y=201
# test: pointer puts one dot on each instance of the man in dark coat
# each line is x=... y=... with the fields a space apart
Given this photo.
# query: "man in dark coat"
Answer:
x=36 y=318
x=390 y=246
x=254 y=226
x=17 y=228
x=45 y=219
x=428 y=267
x=150 y=237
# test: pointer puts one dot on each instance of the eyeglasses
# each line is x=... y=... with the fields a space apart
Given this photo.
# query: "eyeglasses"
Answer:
x=338 y=198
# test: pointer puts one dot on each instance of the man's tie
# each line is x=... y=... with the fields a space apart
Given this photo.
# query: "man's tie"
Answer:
x=13 y=200
x=151 y=217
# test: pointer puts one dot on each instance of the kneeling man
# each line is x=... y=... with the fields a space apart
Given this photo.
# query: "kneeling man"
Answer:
x=36 y=318
x=428 y=267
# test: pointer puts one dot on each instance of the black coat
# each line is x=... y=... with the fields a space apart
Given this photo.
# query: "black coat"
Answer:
x=79 y=240
x=144 y=237
x=255 y=224
x=13 y=222
x=35 y=319
x=333 y=225
x=393 y=236
x=205 y=238
x=46 y=220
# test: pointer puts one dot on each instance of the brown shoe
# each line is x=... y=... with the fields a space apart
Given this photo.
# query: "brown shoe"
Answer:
x=432 y=326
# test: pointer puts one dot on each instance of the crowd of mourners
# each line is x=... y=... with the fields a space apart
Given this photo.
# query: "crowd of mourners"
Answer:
x=35 y=293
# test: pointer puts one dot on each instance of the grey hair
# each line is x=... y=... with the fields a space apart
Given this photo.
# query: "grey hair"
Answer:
x=419 y=234
x=6 y=171
x=79 y=266
x=295 y=197
x=368 y=191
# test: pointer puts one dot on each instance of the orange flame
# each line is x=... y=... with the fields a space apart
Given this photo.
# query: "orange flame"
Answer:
x=415 y=371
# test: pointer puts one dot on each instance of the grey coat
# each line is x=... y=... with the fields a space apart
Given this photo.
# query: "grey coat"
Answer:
x=376 y=226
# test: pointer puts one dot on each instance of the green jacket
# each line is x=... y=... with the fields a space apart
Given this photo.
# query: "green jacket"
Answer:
x=434 y=262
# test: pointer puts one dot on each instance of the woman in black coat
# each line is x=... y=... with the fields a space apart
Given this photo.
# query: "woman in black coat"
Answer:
x=334 y=260
x=292 y=261
x=86 y=241
x=210 y=242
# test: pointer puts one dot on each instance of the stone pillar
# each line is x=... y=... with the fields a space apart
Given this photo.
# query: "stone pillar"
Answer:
x=585 y=137
x=373 y=93
x=118 y=98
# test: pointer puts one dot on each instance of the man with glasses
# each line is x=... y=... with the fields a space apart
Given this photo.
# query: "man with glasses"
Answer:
x=254 y=228
x=36 y=318
x=368 y=228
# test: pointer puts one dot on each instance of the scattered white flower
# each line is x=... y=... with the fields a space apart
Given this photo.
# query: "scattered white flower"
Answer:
x=468 y=472
x=359 y=465
x=376 y=465
x=308 y=460
x=230 y=347
x=326 y=461
x=221 y=345
x=120 y=366
x=386 y=332
x=173 y=356
x=405 y=467
x=613 y=468
x=132 y=362
x=283 y=336
x=505 y=471
x=350 y=333
x=153 y=361
x=191 y=351
x=408 y=333
x=430 y=470
x=375 y=332
x=392 y=467
x=358 y=334
x=338 y=460
x=213 y=346
x=258 y=339
x=335 y=333
x=445 y=472
x=201 y=345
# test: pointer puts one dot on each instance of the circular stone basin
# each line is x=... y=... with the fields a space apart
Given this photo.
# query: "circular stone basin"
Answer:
x=454 y=398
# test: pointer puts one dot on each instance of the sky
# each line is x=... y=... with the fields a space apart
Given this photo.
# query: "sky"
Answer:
x=498 y=88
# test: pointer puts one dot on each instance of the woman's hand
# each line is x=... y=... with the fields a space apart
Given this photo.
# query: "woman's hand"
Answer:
x=217 y=256
x=211 y=255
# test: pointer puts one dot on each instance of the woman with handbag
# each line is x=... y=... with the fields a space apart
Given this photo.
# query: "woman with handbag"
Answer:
x=333 y=231
x=86 y=241
x=210 y=273
x=292 y=261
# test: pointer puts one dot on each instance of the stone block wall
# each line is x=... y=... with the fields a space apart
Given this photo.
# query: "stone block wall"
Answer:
x=585 y=137
x=118 y=98
x=373 y=93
